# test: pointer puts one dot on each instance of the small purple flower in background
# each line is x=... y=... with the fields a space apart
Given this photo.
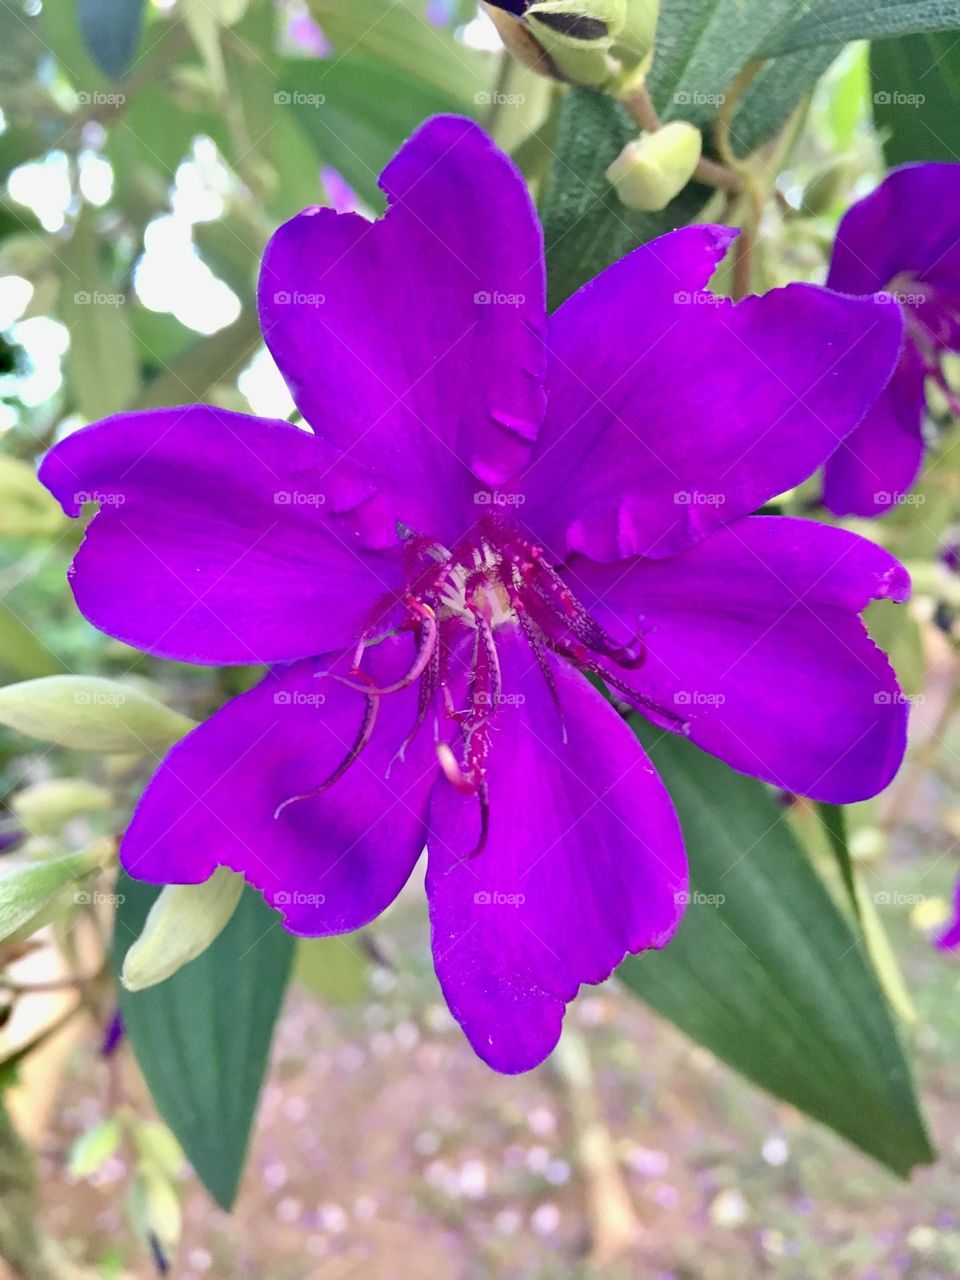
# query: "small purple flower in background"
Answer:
x=492 y=505
x=903 y=239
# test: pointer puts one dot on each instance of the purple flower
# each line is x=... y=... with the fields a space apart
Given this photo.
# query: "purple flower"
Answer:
x=904 y=239
x=492 y=506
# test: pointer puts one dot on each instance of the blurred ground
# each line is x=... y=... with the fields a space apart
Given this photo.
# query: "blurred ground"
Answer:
x=385 y=1150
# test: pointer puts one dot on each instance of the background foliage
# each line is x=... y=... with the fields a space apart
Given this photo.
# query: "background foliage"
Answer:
x=148 y=150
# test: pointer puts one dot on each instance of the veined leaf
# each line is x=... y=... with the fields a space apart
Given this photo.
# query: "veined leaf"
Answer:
x=766 y=971
x=202 y=1038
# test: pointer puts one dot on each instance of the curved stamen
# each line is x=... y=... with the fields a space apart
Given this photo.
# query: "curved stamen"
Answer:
x=425 y=650
x=363 y=737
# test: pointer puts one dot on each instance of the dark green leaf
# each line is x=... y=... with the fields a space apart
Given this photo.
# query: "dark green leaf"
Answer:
x=202 y=1038
x=102 y=365
x=357 y=109
x=767 y=973
x=916 y=97
x=111 y=31
x=833 y=22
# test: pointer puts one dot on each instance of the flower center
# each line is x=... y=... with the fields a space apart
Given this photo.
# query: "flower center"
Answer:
x=455 y=602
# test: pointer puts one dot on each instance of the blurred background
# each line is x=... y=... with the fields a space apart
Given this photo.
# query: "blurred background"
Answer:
x=144 y=164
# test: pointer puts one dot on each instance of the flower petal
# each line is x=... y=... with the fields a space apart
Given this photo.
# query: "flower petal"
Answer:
x=584 y=862
x=753 y=637
x=879 y=461
x=907 y=226
x=416 y=342
x=218 y=538
x=671 y=411
x=330 y=863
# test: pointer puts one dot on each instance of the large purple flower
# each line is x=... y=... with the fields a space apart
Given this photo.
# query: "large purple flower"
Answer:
x=494 y=506
x=903 y=238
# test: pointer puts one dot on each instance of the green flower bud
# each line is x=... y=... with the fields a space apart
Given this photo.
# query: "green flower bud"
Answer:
x=154 y=1209
x=46 y=807
x=654 y=168
x=32 y=894
x=156 y=1145
x=570 y=40
x=94 y=1148
x=91 y=714
x=639 y=33
x=182 y=923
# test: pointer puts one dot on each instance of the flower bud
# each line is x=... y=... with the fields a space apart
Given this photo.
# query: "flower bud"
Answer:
x=31 y=894
x=154 y=1209
x=94 y=1148
x=89 y=713
x=569 y=40
x=182 y=923
x=157 y=1146
x=639 y=32
x=45 y=808
x=655 y=167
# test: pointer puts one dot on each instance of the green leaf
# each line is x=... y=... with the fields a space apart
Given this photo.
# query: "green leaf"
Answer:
x=395 y=33
x=193 y=374
x=766 y=972
x=202 y=1038
x=90 y=713
x=916 y=97
x=358 y=109
x=835 y=21
x=102 y=364
x=22 y=651
x=111 y=31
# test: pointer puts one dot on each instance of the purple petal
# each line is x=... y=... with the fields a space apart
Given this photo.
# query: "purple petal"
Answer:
x=879 y=461
x=329 y=863
x=671 y=411
x=753 y=637
x=584 y=862
x=416 y=342
x=218 y=538
x=909 y=226
x=949 y=940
